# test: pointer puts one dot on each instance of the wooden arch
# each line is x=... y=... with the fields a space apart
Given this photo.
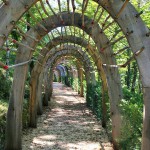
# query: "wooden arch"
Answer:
x=38 y=32
x=79 y=67
x=89 y=48
x=57 y=54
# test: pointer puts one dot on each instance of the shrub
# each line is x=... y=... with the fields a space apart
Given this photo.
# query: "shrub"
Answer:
x=132 y=109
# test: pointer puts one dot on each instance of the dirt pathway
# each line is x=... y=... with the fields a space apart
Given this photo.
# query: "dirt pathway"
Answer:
x=66 y=125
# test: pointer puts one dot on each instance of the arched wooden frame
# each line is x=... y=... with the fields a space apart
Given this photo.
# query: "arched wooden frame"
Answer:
x=90 y=78
x=53 y=60
x=94 y=55
x=37 y=70
x=113 y=81
x=45 y=54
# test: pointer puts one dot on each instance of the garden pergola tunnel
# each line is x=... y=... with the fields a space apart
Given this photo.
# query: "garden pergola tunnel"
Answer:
x=57 y=74
x=35 y=76
x=115 y=86
x=121 y=13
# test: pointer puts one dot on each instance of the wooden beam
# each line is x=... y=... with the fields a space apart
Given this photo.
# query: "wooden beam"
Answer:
x=122 y=8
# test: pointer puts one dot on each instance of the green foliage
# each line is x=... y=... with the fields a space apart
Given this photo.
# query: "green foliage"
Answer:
x=4 y=86
x=145 y=7
x=94 y=99
x=75 y=84
x=97 y=105
x=3 y=110
x=89 y=95
x=132 y=108
x=55 y=78
x=63 y=79
x=70 y=80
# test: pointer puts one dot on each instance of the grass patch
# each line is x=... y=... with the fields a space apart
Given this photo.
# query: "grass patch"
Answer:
x=3 y=111
x=3 y=107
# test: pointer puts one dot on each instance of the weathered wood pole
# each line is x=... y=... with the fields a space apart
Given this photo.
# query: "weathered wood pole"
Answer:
x=33 y=100
x=81 y=83
x=146 y=120
x=46 y=82
x=14 y=114
x=39 y=95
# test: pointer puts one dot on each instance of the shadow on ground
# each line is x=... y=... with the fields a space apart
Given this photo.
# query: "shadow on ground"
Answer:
x=68 y=126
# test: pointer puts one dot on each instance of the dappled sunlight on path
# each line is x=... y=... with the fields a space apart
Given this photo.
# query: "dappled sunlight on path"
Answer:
x=66 y=125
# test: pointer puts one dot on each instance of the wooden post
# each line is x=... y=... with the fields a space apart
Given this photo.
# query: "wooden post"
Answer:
x=51 y=84
x=146 y=120
x=104 y=106
x=115 y=95
x=81 y=83
x=39 y=95
x=122 y=8
x=33 y=100
x=14 y=114
x=46 y=83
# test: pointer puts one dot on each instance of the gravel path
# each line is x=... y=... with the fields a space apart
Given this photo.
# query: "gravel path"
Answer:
x=66 y=125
